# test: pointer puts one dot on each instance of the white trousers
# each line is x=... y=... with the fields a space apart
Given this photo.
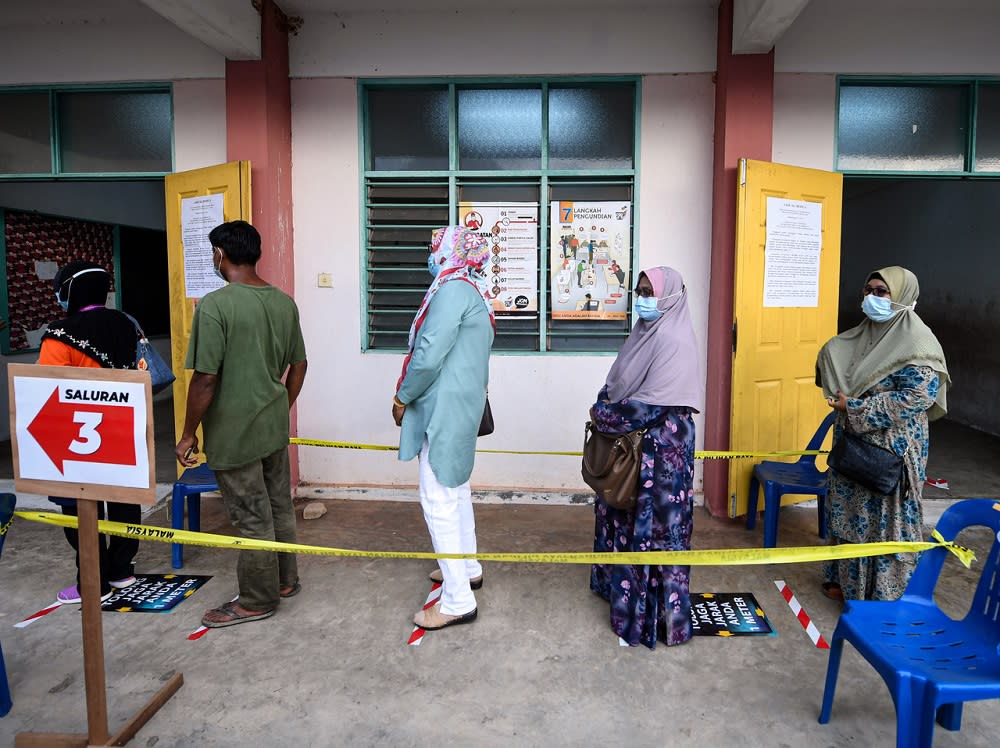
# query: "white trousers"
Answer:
x=448 y=513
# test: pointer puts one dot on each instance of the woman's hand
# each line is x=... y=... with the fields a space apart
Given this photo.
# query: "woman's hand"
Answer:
x=839 y=402
x=398 y=409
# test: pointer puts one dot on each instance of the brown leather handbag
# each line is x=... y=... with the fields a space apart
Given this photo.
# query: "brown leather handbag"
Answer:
x=611 y=464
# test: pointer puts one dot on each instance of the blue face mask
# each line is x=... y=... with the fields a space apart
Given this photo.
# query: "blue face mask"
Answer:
x=64 y=305
x=432 y=266
x=645 y=307
x=879 y=308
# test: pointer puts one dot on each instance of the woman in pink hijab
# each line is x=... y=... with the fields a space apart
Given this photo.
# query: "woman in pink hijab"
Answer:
x=655 y=383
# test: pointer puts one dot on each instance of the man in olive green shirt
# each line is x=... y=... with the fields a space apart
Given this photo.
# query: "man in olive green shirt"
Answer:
x=244 y=338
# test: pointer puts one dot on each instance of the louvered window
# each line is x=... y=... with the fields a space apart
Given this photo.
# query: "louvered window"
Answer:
x=444 y=153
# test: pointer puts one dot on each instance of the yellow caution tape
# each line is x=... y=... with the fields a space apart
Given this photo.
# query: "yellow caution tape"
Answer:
x=341 y=445
x=965 y=555
x=728 y=557
x=699 y=455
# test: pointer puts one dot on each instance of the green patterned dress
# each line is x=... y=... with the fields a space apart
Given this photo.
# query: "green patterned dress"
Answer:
x=892 y=414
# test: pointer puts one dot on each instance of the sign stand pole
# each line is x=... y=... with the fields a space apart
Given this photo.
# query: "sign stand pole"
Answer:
x=93 y=656
x=118 y=430
x=93 y=629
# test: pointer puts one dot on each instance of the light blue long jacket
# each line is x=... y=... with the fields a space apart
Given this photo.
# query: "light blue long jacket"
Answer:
x=445 y=385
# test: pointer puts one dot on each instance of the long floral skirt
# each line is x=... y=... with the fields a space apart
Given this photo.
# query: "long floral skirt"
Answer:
x=651 y=602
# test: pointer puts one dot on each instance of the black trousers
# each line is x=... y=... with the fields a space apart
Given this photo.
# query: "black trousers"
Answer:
x=116 y=553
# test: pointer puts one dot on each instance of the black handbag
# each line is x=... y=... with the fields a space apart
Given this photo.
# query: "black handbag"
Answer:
x=611 y=464
x=876 y=468
x=486 y=425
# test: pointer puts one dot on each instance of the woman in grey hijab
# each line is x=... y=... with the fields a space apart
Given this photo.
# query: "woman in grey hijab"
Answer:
x=886 y=378
x=654 y=383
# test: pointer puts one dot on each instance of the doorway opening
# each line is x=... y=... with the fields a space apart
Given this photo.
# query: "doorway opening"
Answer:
x=120 y=223
x=946 y=231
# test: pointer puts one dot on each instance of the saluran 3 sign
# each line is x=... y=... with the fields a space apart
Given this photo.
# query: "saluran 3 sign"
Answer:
x=82 y=433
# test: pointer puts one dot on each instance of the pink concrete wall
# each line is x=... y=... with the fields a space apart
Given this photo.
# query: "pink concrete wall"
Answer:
x=744 y=98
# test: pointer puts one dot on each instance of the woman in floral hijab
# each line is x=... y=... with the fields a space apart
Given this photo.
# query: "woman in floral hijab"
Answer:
x=439 y=404
x=656 y=384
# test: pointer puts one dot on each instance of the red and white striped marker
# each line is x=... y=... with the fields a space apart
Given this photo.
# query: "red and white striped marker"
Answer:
x=417 y=635
x=35 y=616
x=807 y=624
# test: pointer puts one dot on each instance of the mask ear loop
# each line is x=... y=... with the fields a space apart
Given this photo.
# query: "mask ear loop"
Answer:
x=77 y=275
x=678 y=293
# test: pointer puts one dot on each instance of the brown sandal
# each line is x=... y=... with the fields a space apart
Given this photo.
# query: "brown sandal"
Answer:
x=833 y=591
x=228 y=615
x=290 y=591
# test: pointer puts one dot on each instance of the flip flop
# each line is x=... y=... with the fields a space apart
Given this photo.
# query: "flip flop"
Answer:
x=235 y=616
x=292 y=591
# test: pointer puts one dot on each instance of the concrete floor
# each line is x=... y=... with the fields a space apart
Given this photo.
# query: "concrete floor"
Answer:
x=539 y=667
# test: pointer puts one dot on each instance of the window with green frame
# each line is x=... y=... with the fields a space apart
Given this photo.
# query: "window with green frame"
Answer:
x=926 y=126
x=429 y=146
x=75 y=131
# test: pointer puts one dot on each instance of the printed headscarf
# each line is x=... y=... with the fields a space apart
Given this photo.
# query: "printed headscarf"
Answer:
x=461 y=254
x=659 y=363
x=861 y=357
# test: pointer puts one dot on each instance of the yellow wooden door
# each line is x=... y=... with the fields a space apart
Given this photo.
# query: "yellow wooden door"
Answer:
x=777 y=328
x=231 y=183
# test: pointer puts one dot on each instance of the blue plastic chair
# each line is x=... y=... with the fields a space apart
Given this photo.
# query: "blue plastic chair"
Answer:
x=7 y=503
x=779 y=478
x=931 y=663
x=192 y=483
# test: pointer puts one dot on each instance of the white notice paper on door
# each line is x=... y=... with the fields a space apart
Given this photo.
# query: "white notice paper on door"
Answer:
x=199 y=215
x=791 y=253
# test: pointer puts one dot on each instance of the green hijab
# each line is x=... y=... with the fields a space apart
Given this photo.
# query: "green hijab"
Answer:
x=861 y=357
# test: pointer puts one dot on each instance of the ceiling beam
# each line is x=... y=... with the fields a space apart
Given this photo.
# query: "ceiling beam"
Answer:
x=230 y=27
x=758 y=24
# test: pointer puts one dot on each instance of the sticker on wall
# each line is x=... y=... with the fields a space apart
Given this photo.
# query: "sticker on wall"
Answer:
x=512 y=270
x=590 y=256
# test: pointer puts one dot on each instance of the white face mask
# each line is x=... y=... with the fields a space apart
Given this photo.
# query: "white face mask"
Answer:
x=218 y=268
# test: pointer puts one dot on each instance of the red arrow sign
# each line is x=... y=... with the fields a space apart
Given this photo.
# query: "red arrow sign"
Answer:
x=85 y=432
